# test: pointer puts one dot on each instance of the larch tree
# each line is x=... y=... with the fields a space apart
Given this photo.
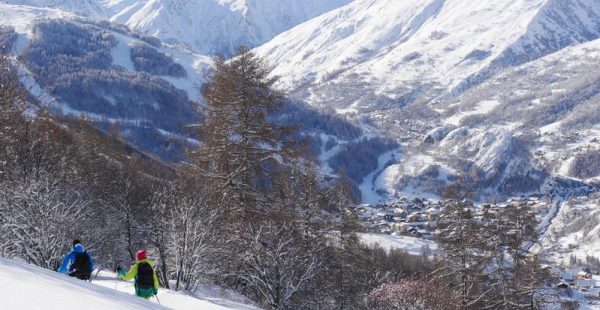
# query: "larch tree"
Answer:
x=241 y=147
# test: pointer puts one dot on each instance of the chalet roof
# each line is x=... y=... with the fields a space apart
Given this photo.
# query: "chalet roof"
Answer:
x=562 y=285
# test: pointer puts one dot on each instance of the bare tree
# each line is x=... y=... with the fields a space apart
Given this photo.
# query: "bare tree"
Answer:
x=276 y=265
x=11 y=115
x=197 y=224
x=37 y=219
x=415 y=294
x=184 y=227
x=123 y=194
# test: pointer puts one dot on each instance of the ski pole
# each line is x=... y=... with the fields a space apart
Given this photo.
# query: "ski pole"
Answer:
x=156 y=296
x=96 y=276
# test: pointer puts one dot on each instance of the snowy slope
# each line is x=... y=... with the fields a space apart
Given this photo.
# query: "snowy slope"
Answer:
x=21 y=17
x=555 y=97
x=414 y=246
x=574 y=232
x=390 y=47
x=91 y=8
x=220 y=26
x=28 y=287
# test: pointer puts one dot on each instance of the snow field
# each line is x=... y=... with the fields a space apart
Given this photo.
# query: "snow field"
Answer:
x=411 y=245
x=24 y=286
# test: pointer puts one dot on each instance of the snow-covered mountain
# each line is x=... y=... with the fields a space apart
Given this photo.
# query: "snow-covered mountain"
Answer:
x=574 y=231
x=28 y=287
x=393 y=48
x=417 y=71
x=208 y=27
x=220 y=26
x=92 y=8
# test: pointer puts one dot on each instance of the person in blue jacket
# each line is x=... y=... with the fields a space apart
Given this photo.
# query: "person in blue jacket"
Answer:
x=78 y=263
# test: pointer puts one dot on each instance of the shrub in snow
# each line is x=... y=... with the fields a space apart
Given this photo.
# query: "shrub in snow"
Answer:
x=412 y=56
x=415 y=294
x=36 y=219
x=438 y=35
x=478 y=55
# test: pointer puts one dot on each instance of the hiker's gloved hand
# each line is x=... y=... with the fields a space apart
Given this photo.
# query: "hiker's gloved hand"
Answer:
x=119 y=269
x=155 y=291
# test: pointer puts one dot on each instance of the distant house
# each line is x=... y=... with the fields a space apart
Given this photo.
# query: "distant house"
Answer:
x=564 y=289
x=413 y=218
x=400 y=213
x=583 y=275
x=389 y=217
x=432 y=214
x=413 y=231
x=562 y=286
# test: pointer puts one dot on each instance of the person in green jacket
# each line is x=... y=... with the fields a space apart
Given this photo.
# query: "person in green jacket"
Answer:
x=145 y=279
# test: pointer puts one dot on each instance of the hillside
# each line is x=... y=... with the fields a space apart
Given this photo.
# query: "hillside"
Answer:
x=29 y=287
x=106 y=74
x=440 y=77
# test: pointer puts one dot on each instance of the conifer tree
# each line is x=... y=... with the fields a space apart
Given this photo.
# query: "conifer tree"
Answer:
x=242 y=147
